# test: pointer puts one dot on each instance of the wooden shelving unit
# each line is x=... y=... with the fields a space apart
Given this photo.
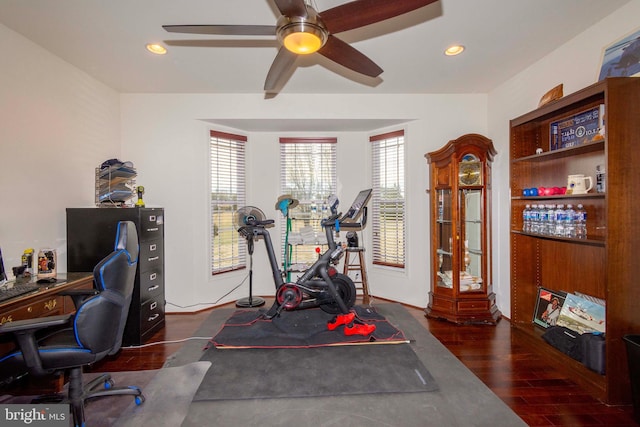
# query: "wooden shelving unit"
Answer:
x=605 y=264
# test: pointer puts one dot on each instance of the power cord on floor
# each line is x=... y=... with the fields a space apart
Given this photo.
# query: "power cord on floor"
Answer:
x=166 y=342
x=133 y=347
x=211 y=303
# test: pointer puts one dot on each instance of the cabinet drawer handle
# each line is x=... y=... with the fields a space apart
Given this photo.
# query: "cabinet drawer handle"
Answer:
x=153 y=288
x=152 y=318
x=153 y=276
x=152 y=218
x=153 y=258
x=152 y=229
x=153 y=247
x=153 y=305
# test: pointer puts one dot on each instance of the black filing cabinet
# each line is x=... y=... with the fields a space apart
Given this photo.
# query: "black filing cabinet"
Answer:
x=91 y=236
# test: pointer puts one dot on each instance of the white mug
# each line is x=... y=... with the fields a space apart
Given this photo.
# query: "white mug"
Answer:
x=577 y=184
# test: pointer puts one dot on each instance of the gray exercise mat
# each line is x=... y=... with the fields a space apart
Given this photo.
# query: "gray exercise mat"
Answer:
x=313 y=372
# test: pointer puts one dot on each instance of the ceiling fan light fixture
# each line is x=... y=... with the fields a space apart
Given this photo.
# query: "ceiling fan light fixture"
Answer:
x=302 y=35
x=303 y=42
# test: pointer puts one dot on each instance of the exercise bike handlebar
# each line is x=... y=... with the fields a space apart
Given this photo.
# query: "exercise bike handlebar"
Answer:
x=345 y=221
x=330 y=221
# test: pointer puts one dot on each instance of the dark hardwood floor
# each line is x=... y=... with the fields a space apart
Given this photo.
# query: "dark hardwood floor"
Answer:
x=539 y=394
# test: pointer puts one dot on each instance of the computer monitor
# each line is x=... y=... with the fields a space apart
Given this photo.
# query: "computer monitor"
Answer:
x=3 y=273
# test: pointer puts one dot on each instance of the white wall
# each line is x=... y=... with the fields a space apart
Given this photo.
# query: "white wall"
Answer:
x=166 y=137
x=575 y=64
x=56 y=125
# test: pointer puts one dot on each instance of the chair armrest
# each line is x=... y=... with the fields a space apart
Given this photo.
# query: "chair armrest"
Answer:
x=35 y=324
x=79 y=295
x=24 y=332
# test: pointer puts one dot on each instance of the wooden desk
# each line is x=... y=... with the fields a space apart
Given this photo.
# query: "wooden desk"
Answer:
x=46 y=301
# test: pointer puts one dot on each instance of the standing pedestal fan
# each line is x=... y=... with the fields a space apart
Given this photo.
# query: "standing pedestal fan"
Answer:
x=242 y=218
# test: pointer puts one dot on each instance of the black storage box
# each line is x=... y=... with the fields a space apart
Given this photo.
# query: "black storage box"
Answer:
x=594 y=352
x=588 y=348
x=565 y=340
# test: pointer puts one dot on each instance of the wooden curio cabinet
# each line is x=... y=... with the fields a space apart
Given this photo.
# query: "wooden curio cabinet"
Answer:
x=460 y=190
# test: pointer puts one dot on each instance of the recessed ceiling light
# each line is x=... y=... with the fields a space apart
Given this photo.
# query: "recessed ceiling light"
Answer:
x=156 y=48
x=454 y=50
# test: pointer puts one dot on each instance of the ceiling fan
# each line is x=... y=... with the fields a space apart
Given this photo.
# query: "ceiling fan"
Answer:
x=302 y=30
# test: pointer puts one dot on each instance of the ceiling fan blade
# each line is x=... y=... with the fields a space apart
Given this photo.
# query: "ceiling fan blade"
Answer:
x=227 y=30
x=223 y=43
x=279 y=69
x=359 y=13
x=292 y=7
x=350 y=57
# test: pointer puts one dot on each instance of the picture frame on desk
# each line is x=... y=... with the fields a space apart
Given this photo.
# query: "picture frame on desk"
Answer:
x=622 y=57
x=548 y=306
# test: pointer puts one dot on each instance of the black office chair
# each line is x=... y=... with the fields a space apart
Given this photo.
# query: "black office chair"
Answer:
x=67 y=343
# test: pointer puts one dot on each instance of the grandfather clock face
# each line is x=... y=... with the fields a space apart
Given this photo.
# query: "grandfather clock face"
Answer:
x=470 y=171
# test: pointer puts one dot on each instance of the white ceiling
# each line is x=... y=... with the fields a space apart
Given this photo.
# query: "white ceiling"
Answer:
x=107 y=38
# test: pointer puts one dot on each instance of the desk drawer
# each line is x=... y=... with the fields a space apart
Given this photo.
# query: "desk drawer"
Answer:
x=51 y=306
x=151 y=283
x=151 y=255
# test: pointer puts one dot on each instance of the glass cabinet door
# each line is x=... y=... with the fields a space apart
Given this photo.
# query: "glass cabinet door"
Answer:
x=472 y=260
x=444 y=236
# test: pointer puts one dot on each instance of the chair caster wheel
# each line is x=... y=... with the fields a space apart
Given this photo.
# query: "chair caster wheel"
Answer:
x=139 y=400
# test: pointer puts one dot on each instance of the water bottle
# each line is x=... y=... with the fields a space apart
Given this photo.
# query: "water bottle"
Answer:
x=533 y=219
x=543 y=218
x=551 y=220
x=581 y=222
x=570 y=221
x=559 y=221
x=526 y=219
x=539 y=214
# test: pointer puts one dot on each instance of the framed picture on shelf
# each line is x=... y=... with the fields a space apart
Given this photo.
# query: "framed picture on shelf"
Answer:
x=548 y=306
x=582 y=315
x=622 y=57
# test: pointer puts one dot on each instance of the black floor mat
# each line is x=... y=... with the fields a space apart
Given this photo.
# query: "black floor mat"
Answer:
x=300 y=328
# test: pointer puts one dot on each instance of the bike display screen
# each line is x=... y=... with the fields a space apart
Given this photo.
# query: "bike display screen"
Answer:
x=360 y=202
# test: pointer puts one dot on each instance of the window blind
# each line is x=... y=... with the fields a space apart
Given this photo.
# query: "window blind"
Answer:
x=227 y=160
x=308 y=173
x=388 y=199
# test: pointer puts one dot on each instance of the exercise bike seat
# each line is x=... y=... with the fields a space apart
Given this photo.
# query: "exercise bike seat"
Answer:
x=256 y=223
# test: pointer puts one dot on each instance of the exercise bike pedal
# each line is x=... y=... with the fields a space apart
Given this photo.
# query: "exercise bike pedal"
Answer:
x=340 y=319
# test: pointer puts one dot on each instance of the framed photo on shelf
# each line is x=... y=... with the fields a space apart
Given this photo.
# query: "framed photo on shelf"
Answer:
x=582 y=315
x=622 y=57
x=548 y=306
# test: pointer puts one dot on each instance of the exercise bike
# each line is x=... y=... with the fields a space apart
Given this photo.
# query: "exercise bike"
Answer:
x=321 y=285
